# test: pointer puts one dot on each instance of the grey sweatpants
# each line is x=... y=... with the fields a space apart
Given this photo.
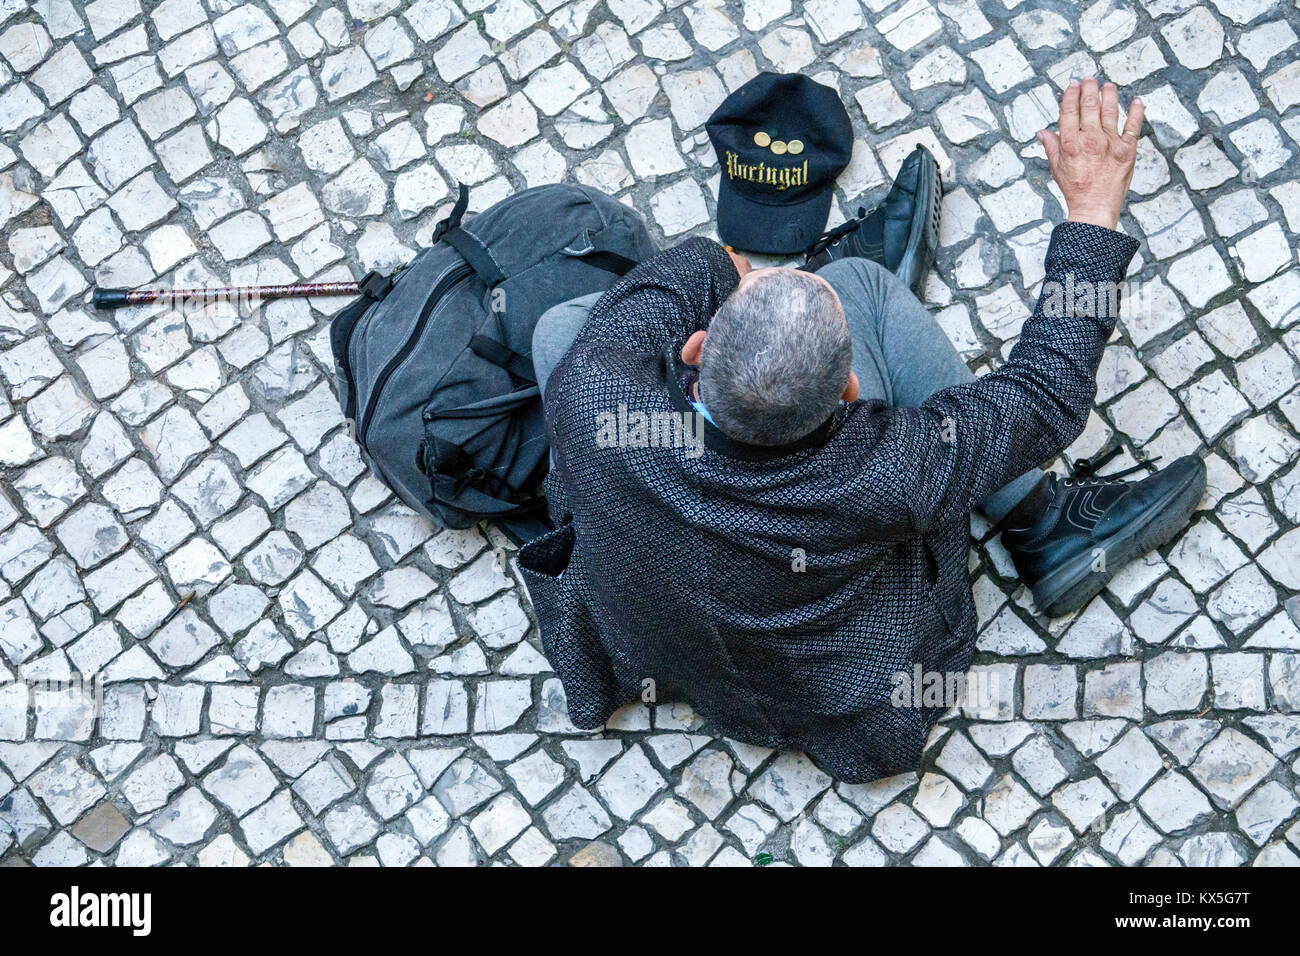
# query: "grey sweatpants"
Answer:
x=900 y=353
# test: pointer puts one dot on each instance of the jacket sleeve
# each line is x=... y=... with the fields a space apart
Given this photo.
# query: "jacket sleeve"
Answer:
x=664 y=299
x=974 y=438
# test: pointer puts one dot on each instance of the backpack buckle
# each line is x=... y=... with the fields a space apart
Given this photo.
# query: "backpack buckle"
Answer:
x=374 y=285
x=470 y=478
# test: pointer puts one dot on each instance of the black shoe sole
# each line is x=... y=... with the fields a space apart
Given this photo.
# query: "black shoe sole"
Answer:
x=923 y=239
x=1076 y=583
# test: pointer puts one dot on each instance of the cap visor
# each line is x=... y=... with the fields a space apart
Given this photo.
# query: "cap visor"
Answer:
x=773 y=229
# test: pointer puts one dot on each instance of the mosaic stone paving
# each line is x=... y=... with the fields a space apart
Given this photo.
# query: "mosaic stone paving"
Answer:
x=291 y=667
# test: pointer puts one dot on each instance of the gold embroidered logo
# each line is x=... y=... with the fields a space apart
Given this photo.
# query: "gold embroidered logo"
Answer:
x=781 y=177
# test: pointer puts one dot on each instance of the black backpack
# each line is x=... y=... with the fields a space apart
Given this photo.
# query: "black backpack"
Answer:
x=433 y=363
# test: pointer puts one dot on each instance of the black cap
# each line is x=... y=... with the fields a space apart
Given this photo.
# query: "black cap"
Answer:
x=781 y=140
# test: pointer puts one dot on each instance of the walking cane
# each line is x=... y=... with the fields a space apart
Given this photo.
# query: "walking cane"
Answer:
x=119 y=298
x=373 y=284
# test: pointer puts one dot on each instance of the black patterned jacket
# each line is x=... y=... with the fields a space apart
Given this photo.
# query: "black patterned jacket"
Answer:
x=681 y=569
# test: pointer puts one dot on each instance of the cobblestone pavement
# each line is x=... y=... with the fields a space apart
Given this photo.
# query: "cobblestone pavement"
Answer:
x=347 y=684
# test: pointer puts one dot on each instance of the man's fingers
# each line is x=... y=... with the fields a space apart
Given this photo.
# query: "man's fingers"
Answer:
x=1110 y=108
x=1089 y=105
x=1051 y=144
x=1133 y=125
x=1070 y=110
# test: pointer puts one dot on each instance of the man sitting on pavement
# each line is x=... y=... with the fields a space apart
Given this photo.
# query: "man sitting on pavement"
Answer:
x=818 y=546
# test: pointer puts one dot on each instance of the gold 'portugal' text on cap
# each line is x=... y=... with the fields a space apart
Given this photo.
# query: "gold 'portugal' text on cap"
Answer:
x=766 y=174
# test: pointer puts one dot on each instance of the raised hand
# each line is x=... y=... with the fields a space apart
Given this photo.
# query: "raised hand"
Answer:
x=1091 y=160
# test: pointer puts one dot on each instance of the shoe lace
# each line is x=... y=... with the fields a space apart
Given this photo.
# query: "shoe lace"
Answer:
x=832 y=236
x=1084 y=470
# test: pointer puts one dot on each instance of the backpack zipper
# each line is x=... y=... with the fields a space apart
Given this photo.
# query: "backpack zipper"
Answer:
x=446 y=282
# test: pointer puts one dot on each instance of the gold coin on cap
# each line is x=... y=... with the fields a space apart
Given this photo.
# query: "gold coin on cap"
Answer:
x=794 y=147
x=761 y=138
x=778 y=147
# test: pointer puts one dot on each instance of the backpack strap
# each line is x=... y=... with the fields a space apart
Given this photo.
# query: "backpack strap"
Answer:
x=470 y=248
x=465 y=498
x=479 y=257
x=481 y=260
x=453 y=485
x=613 y=262
x=598 y=255
x=504 y=357
x=496 y=407
x=457 y=214
x=476 y=254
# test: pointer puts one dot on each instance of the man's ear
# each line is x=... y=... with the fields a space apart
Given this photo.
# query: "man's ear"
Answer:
x=693 y=348
x=851 y=390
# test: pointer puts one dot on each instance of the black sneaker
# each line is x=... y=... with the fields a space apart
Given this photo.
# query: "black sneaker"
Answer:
x=901 y=233
x=1093 y=526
